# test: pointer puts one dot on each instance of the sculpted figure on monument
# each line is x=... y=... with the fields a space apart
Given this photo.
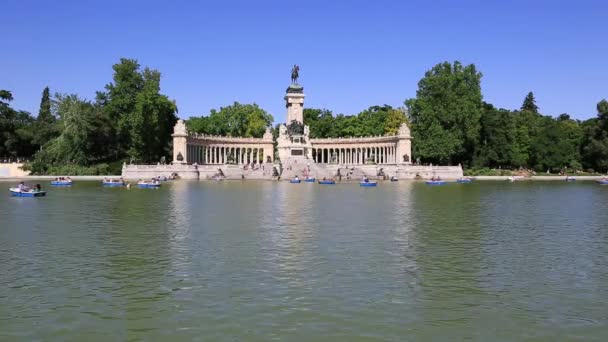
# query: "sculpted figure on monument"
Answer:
x=295 y=73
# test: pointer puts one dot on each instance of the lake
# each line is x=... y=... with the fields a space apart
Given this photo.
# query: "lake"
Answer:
x=262 y=261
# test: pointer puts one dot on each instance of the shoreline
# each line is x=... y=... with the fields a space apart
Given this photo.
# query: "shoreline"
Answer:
x=478 y=178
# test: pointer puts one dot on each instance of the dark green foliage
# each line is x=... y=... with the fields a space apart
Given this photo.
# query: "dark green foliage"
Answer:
x=16 y=130
x=46 y=123
x=143 y=118
x=530 y=104
x=376 y=120
x=237 y=120
x=446 y=112
x=595 y=143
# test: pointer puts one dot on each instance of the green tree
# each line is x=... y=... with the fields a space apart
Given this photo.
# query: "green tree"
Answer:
x=530 y=104
x=16 y=129
x=595 y=141
x=320 y=121
x=151 y=124
x=238 y=120
x=445 y=115
x=46 y=122
x=119 y=100
x=497 y=144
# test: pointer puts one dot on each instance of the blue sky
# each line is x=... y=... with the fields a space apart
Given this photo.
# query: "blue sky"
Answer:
x=353 y=54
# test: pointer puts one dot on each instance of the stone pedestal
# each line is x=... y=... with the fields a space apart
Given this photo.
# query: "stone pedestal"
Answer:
x=294 y=101
x=180 y=137
x=294 y=145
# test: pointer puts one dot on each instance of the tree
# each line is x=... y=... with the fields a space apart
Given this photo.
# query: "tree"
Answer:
x=320 y=121
x=46 y=122
x=239 y=120
x=530 y=104
x=497 y=144
x=445 y=115
x=151 y=124
x=119 y=100
x=16 y=129
x=142 y=119
x=595 y=141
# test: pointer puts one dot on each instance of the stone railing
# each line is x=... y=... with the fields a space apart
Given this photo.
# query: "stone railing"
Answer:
x=224 y=139
x=357 y=140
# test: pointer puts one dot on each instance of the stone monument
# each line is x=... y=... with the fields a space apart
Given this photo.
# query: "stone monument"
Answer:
x=294 y=141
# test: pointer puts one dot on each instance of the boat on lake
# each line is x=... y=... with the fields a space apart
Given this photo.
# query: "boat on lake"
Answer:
x=435 y=182
x=144 y=184
x=570 y=179
x=464 y=180
x=394 y=179
x=327 y=181
x=16 y=192
x=368 y=183
x=61 y=182
x=603 y=181
x=310 y=180
x=294 y=181
x=113 y=182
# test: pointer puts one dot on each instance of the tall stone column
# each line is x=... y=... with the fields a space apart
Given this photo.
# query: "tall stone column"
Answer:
x=295 y=103
x=180 y=138
x=404 y=145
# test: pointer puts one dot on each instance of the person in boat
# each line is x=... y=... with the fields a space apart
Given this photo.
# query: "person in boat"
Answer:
x=69 y=179
x=296 y=178
x=37 y=188
x=22 y=187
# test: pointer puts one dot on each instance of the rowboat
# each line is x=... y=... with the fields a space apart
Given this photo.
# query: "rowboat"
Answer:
x=570 y=179
x=310 y=180
x=394 y=179
x=435 y=182
x=366 y=184
x=602 y=182
x=145 y=185
x=295 y=181
x=62 y=183
x=464 y=180
x=20 y=193
x=327 y=182
x=112 y=183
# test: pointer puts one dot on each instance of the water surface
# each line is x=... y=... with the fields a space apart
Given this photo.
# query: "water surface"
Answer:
x=261 y=261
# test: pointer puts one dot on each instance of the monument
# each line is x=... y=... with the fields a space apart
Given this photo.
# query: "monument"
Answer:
x=200 y=156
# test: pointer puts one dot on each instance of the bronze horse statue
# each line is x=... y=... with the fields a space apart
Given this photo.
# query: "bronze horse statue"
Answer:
x=295 y=73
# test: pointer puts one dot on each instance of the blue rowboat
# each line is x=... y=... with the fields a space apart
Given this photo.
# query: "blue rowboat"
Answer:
x=112 y=184
x=310 y=180
x=435 y=182
x=61 y=183
x=295 y=181
x=464 y=180
x=602 y=182
x=18 y=193
x=148 y=185
x=366 y=184
x=327 y=182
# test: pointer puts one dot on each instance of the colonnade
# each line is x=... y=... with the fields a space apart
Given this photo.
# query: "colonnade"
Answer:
x=222 y=154
x=379 y=154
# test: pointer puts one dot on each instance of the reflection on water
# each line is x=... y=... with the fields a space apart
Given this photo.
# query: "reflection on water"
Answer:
x=263 y=261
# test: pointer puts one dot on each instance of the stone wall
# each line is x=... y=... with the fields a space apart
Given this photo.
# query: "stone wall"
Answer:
x=151 y=171
x=12 y=170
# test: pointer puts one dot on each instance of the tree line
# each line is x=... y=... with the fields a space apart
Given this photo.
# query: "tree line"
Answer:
x=452 y=124
x=129 y=120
